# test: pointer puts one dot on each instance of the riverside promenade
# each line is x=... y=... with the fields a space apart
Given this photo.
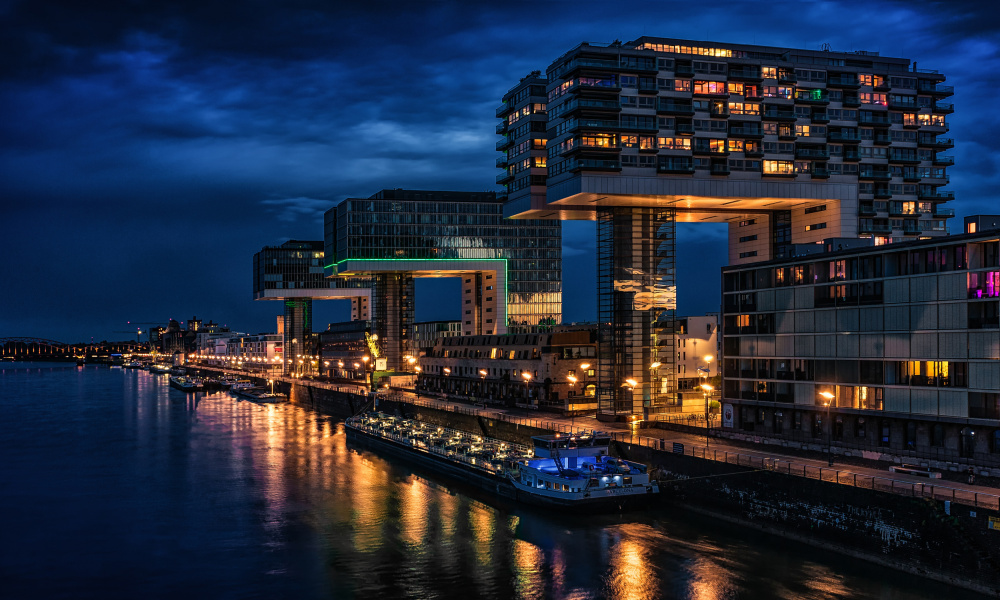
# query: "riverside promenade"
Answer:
x=873 y=475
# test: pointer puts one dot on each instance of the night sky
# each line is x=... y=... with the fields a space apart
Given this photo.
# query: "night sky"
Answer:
x=148 y=149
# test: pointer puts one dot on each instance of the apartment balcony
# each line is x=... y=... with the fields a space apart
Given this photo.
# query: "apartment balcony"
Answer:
x=843 y=81
x=786 y=134
x=911 y=176
x=674 y=108
x=502 y=128
x=676 y=168
x=774 y=113
x=502 y=162
x=590 y=64
x=882 y=83
x=709 y=151
x=844 y=137
x=746 y=73
x=813 y=153
x=944 y=213
x=936 y=142
x=746 y=131
x=503 y=144
x=647 y=128
x=882 y=139
x=754 y=153
x=874 y=174
x=820 y=173
x=903 y=157
x=820 y=117
x=684 y=129
x=867 y=210
x=817 y=96
x=882 y=193
x=944 y=161
x=590 y=124
x=874 y=228
x=943 y=108
x=851 y=155
x=648 y=88
x=594 y=164
x=935 y=89
x=874 y=119
x=852 y=101
x=754 y=94
x=719 y=169
x=503 y=109
x=906 y=103
x=787 y=77
x=504 y=178
x=944 y=196
x=720 y=112
x=683 y=70
x=912 y=228
x=580 y=105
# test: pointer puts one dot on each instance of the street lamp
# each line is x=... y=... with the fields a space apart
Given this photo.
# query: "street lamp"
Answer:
x=365 y=360
x=572 y=415
x=416 y=385
x=829 y=426
x=527 y=390
x=271 y=381
x=707 y=389
x=585 y=367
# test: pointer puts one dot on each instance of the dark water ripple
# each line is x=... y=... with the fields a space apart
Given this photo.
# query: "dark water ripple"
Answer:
x=113 y=485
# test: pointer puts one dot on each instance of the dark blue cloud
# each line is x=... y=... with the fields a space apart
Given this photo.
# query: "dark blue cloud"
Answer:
x=148 y=149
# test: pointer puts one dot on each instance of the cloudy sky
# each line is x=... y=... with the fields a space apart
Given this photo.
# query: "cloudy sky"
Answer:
x=148 y=149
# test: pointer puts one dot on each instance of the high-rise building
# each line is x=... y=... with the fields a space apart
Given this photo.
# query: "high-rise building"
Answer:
x=510 y=270
x=787 y=146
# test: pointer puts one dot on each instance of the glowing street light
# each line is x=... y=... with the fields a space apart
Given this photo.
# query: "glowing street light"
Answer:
x=707 y=389
x=829 y=426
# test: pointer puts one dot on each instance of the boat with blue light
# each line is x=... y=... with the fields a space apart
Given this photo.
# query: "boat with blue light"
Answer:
x=561 y=471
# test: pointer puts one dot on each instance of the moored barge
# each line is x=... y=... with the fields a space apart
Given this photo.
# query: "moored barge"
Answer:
x=560 y=471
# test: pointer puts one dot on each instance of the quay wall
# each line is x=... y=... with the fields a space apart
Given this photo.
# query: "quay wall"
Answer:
x=948 y=542
x=931 y=538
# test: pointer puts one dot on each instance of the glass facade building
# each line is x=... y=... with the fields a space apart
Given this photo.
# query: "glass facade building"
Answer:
x=409 y=225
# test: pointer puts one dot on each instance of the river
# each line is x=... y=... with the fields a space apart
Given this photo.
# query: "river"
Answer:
x=114 y=485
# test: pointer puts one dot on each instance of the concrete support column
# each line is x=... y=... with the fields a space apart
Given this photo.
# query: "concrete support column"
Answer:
x=392 y=316
x=297 y=329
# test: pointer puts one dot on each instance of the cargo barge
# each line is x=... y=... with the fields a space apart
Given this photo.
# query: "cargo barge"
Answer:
x=565 y=472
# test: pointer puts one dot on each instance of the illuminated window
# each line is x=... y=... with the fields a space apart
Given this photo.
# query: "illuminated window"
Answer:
x=778 y=167
x=736 y=145
x=815 y=226
x=679 y=143
x=769 y=72
x=735 y=87
x=709 y=87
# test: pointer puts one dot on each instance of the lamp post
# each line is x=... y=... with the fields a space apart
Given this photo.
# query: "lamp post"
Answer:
x=271 y=381
x=829 y=426
x=368 y=382
x=527 y=390
x=707 y=389
x=572 y=415
x=416 y=385
x=585 y=367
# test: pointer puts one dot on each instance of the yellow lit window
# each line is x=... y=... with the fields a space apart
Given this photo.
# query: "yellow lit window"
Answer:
x=778 y=167
x=769 y=72
x=735 y=87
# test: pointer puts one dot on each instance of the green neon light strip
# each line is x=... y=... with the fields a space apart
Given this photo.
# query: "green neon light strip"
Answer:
x=506 y=296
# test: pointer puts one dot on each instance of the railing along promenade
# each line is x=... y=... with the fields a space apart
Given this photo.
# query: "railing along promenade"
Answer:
x=916 y=489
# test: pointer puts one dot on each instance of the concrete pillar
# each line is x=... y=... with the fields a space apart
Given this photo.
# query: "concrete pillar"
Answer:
x=296 y=331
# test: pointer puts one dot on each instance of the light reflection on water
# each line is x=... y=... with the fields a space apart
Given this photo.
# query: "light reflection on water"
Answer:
x=114 y=485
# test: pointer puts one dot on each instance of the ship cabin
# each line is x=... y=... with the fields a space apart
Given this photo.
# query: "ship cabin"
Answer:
x=576 y=463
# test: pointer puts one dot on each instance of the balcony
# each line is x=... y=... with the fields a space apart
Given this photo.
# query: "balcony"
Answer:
x=817 y=96
x=944 y=161
x=720 y=111
x=589 y=63
x=720 y=169
x=502 y=144
x=675 y=167
x=911 y=227
x=851 y=155
x=502 y=128
x=590 y=105
x=882 y=193
x=943 y=108
x=820 y=117
x=852 y=101
x=820 y=173
x=935 y=195
x=874 y=119
x=648 y=88
x=684 y=129
x=874 y=227
x=746 y=131
x=593 y=164
x=674 y=108
x=936 y=89
x=844 y=137
x=602 y=124
x=503 y=109
x=706 y=150
x=911 y=176
x=882 y=139
x=757 y=152
x=900 y=155
x=683 y=71
x=944 y=213
x=882 y=83
x=812 y=153
x=867 y=210
x=843 y=81
x=787 y=77
x=936 y=142
x=745 y=73
x=502 y=162
x=774 y=113
x=905 y=103
x=874 y=174
x=504 y=178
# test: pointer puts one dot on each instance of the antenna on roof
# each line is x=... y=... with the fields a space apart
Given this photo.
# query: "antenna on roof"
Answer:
x=825 y=47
